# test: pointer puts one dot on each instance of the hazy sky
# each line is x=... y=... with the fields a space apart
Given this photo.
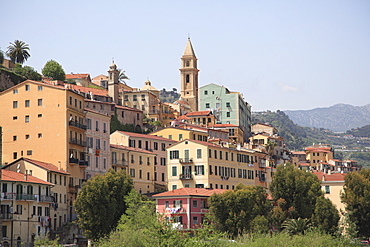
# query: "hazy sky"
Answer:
x=279 y=54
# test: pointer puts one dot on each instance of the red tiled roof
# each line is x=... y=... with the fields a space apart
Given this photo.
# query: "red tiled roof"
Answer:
x=224 y=125
x=47 y=166
x=182 y=102
x=183 y=117
x=94 y=91
x=79 y=76
x=339 y=177
x=145 y=136
x=20 y=177
x=190 y=192
x=128 y=108
x=322 y=149
x=131 y=149
x=199 y=113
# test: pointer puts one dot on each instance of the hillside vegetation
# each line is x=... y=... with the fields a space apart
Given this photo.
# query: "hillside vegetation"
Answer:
x=337 y=118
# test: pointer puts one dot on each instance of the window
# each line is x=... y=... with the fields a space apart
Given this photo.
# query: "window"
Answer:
x=162 y=176
x=215 y=154
x=195 y=203
x=14 y=138
x=163 y=147
x=227 y=104
x=15 y=117
x=96 y=162
x=27 y=119
x=140 y=174
x=27 y=136
x=327 y=189
x=88 y=122
x=174 y=154
x=199 y=153
x=39 y=88
x=27 y=87
x=132 y=172
x=27 y=103
x=199 y=170
x=187 y=78
x=155 y=145
x=167 y=203
x=207 y=105
x=137 y=116
x=170 y=137
x=148 y=176
x=15 y=104
x=39 y=115
x=39 y=102
x=134 y=97
x=199 y=186
x=174 y=186
x=205 y=92
x=180 y=137
x=140 y=159
x=70 y=100
x=15 y=91
x=228 y=114
x=195 y=220
x=97 y=125
x=220 y=155
x=174 y=171
x=19 y=209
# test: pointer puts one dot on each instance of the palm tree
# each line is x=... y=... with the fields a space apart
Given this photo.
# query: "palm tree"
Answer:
x=122 y=76
x=18 y=52
x=296 y=226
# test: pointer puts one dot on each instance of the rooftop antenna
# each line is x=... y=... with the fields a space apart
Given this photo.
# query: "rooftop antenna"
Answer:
x=188 y=35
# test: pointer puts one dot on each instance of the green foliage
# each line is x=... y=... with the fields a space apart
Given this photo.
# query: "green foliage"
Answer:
x=280 y=213
x=356 y=198
x=1 y=57
x=298 y=188
x=54 y=70
x=326 y=216
x=169 y=96
x=44 y=241
x=101 y=202
x=28 y=72
x=233 y=211
x=360 y=132
x=70 y=81
x=18 y=52
x=296 y=226
x=95 y=86
x=14 y=77
x=115 y=124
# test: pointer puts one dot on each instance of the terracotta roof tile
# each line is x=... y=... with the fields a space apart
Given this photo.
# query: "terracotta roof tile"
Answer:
x=94 y=91
x=131 y=149
x=199 y=113
x=78 y=76
x=190 y=192
x=145 y=136
x=47 y=166
x=339 y=177
x=20 y=177
x=224 y=125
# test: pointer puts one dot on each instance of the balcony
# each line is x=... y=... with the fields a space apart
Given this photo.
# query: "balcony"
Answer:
x=121 y=163
x=262 y=179
x=204 y=210
x=6 y=216
x=83 y=163
x=73 y=161
x=154 y=112
x=262 y=164
x=27 y=197
x=186 y=177
x=73 y=189
x=186 y=160
x=77 y=142
x=77 y=125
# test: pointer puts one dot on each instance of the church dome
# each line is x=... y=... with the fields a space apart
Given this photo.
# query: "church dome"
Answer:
x=148 y=86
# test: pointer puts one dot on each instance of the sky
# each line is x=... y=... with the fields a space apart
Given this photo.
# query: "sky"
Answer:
x=281 y=55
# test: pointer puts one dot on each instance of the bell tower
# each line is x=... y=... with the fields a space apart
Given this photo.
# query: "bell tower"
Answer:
x=189 y=77
x=113 y=83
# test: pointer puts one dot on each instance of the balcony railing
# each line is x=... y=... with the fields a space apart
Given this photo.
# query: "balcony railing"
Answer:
x=186 y=176
x=77 y=142
x=6 y=216
x=186 y=160
x=121 y=163
x=77 y=125
x=27 y=197
x=154 y=112
x=73 y=160
x=83 y=163
x=262 y=164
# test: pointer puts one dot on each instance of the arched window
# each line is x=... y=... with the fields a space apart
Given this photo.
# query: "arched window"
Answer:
x=187 y=78
x=187 y=63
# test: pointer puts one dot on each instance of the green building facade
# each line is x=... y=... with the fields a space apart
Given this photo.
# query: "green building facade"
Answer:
x=228 y=107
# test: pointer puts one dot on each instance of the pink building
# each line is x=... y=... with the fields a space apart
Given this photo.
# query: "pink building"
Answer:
x=185 y=208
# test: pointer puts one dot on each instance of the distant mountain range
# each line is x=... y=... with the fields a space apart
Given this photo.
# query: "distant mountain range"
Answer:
x=337 y=118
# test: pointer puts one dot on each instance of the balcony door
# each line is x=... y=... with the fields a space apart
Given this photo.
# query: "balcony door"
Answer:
x=186 y=170
x=187 y=155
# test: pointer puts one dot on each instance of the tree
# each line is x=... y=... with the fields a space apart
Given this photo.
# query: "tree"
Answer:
x=28 y=72
x=122 y=76
x=1 y=57
x=356 y=197
x=298 y=188
x=54 y=70
x=325 y=216
x=234 y=210
x=101 y=202
x=18 y=51
x=296 y=226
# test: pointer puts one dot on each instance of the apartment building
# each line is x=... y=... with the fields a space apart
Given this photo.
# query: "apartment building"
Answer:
x=318 y=153
x=150 y=143
x=45 y=122
x=97 y=137
x=198 y=164
x=26 y=203
x=139 y=163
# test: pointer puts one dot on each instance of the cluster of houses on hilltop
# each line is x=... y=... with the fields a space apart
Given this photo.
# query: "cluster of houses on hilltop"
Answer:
x=56 y=136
